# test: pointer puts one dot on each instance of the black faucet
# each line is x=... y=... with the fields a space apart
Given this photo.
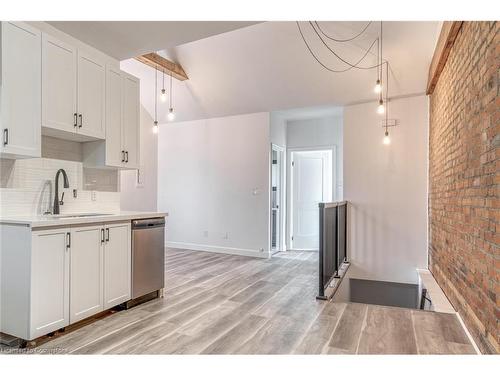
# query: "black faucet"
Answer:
x=56 y=194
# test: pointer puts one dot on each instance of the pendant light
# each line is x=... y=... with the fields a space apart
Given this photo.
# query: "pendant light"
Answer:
x=378 y=85
x=155 y=122
x=171 y=114
x=163 y=96
x=387 y=140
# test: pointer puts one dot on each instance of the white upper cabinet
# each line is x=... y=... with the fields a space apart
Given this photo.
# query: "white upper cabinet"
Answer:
x=20 y=90
x=114 y=149
x=131 y=120
x=72 y=91
x=121 y=148
x=58 y=85
x=91 y=101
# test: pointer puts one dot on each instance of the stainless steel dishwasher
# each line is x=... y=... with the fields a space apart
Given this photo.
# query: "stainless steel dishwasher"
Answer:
x=148 y=256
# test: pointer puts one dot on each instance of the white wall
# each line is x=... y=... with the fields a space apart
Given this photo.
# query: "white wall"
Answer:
x=278 y=129
x=321 y=132
x=213 y=180
x=387 y=188
x=142 y=197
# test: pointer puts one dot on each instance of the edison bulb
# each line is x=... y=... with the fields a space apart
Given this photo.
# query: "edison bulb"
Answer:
x=378 y=87
x=163 y=96
x=380 y=108
x=171 y=114
x=387 y=139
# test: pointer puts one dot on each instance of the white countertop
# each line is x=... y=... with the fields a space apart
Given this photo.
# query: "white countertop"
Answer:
x=37 y=221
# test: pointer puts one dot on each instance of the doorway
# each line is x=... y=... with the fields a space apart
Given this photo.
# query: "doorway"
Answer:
x=311 y=182
x=277 y=197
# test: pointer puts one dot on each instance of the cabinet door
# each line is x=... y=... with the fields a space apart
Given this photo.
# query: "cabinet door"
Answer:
x=49 y=281
x=114 y=148
x=21 y=81
x=86 y=266
x=58 y=84
x=117 y=264
x=91 y=91
x=131 y=121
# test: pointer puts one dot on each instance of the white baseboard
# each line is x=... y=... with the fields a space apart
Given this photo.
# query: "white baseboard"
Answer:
x=217 y=249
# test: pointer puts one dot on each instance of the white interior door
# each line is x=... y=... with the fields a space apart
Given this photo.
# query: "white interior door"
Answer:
x=311 y=184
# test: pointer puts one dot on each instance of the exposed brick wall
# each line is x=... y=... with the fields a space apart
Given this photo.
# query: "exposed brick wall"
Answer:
x=464 y=181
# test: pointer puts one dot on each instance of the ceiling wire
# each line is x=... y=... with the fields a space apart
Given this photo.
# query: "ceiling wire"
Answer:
x=351 y=66
x=356 y=65
x=342 y=40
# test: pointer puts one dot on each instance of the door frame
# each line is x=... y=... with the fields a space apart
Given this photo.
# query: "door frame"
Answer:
x=281 y=245
x=289 y=151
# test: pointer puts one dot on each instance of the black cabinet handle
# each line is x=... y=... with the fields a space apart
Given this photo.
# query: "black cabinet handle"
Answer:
x=5 y=137
x=123 y=156
x=126 y=153
x=107 y=234
x=102 y=235
x=75 y=119
x=81 y=120
x=68 y=240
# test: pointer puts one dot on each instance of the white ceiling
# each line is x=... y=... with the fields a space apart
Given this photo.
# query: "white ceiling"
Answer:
x=266 y=67
x=126 y=39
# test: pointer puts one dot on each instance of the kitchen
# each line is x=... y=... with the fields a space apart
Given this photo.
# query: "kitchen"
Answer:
x=71 y=121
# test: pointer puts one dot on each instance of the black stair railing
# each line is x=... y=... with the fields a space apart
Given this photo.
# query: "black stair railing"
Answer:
x=332 y=242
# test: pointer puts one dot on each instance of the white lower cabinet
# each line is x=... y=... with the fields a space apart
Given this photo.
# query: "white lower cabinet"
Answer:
x=49 y=281
x=86 y=272
x=100 y=274
x=51 y=278
x=117 y=264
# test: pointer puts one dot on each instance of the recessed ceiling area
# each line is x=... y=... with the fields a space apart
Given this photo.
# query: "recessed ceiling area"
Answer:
x=266 y=67
x=126 y=39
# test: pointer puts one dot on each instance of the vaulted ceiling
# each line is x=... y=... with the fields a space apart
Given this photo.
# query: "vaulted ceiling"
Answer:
x=266 y=67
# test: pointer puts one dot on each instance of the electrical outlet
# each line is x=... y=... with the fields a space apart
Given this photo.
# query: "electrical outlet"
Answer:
x=93 y=195
x=205 y=233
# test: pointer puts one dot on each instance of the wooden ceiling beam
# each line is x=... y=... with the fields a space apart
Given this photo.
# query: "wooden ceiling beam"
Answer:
x=447 y=37
x=163 y=65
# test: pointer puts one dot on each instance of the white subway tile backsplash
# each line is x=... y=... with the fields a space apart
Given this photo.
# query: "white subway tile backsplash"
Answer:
x=27 y=187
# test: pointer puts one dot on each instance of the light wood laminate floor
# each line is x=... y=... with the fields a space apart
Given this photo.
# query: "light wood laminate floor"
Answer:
x=225 y=304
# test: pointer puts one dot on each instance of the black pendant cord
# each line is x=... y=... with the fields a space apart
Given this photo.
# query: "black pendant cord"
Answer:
x=163 y=81
x=351 y=66
x=355 y=65
x=156 y=95
x=342 y=40
x=170 y=89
